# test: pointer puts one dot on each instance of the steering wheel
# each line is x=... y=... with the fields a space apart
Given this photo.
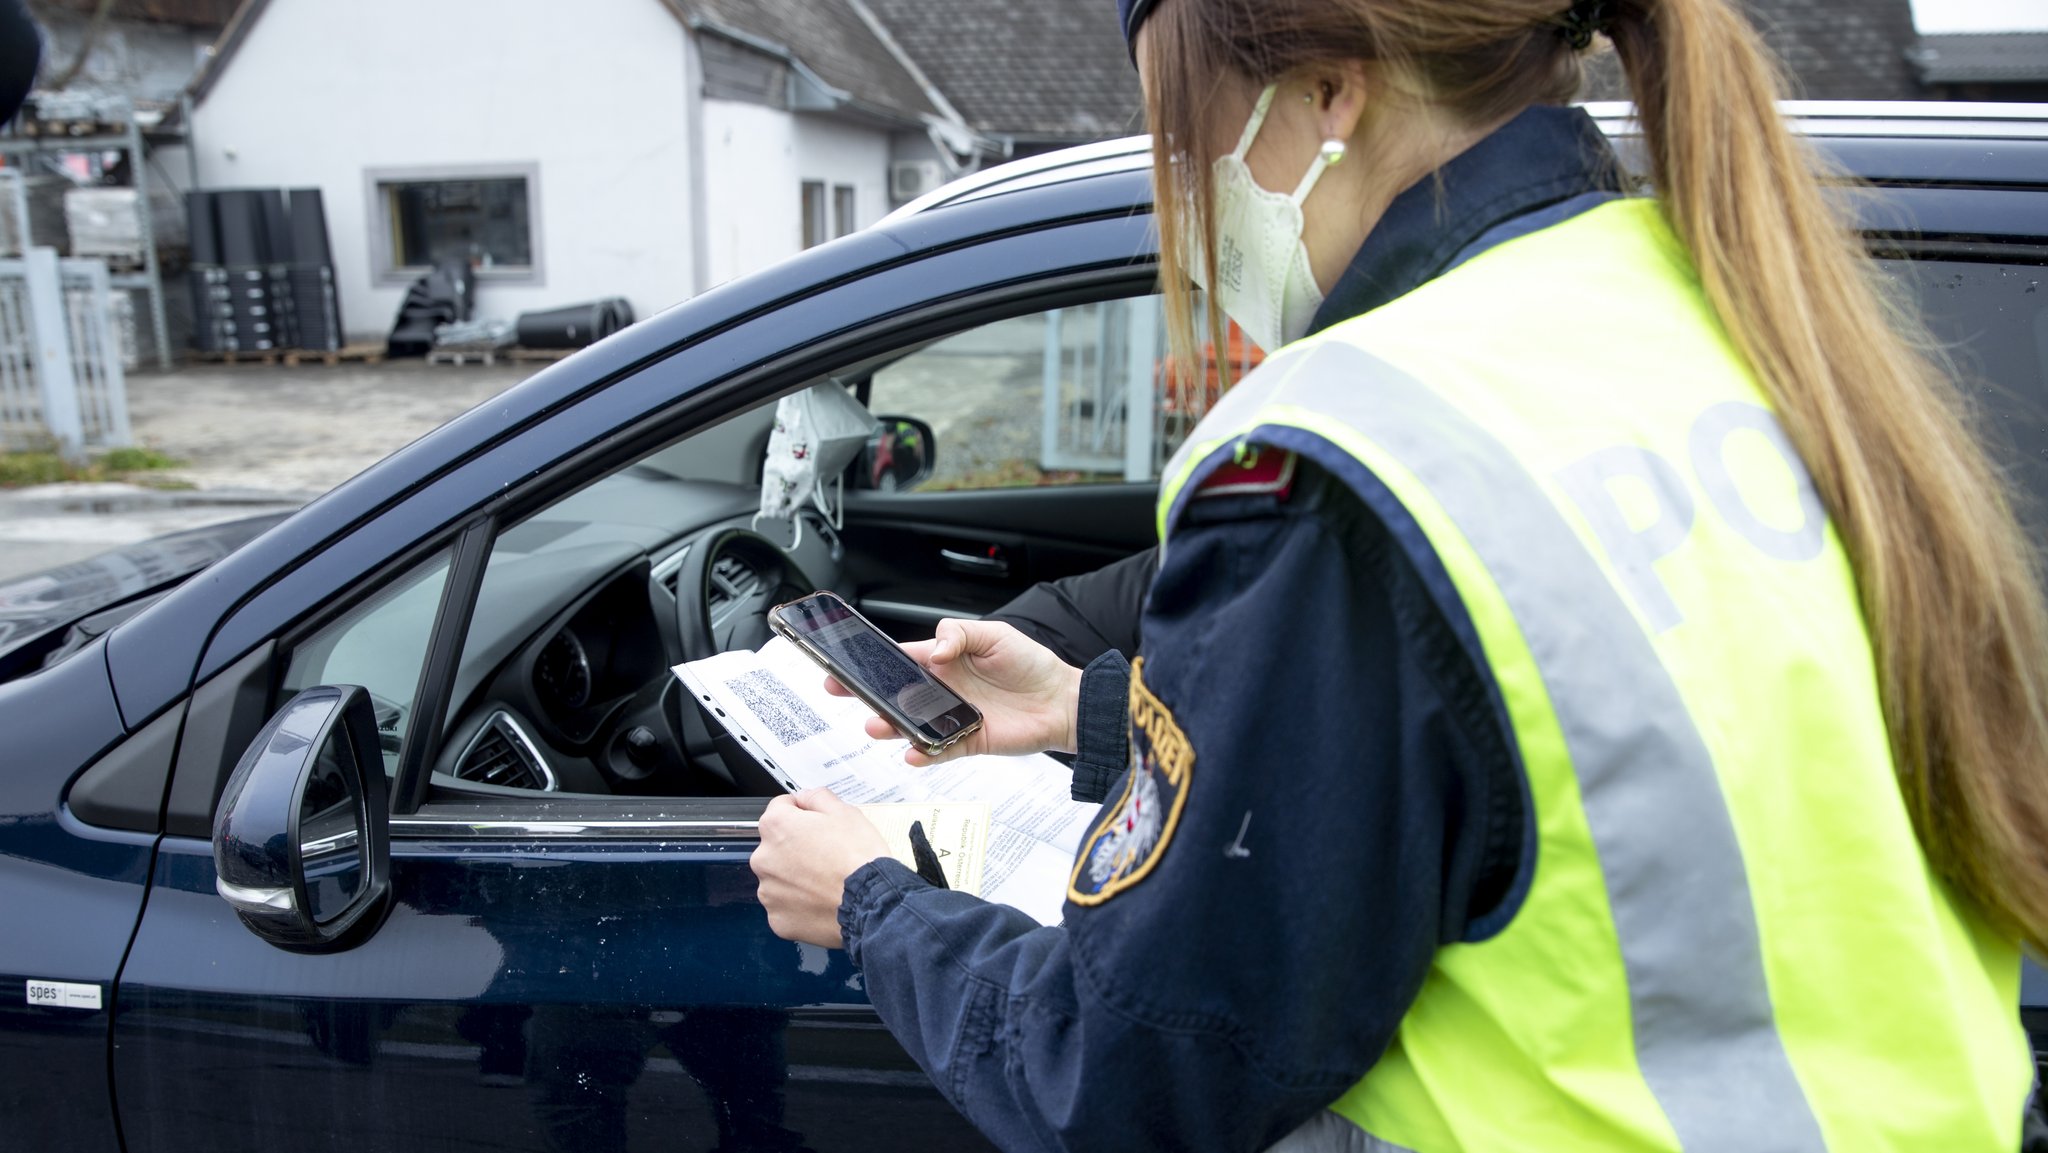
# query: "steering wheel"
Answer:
x=726 y=585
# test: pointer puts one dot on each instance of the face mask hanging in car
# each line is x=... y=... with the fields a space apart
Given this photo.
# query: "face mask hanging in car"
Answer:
x=818 y=432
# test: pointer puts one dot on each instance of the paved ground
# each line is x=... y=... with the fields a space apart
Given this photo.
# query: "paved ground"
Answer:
x=254 y=439
x=300 y=430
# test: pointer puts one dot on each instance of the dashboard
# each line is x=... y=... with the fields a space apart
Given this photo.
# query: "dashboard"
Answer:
x=564 y=682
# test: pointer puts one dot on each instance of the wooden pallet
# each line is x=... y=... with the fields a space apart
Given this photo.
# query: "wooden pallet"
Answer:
x=539 y=354
x=365 y=353
x=483 y=356
x=226 y=356
x=294 y=357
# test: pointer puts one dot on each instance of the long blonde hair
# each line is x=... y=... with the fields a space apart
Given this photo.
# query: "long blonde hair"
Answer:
x=1949 y=587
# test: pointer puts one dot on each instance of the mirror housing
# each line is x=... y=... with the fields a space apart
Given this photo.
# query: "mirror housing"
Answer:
x=301 y=837
x=900 y=454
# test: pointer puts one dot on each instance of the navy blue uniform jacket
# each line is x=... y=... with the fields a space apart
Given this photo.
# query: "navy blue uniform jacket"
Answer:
x=1354 y=800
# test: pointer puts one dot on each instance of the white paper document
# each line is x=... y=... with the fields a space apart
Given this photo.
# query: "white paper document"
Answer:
x=956 y=830
x=774 y=701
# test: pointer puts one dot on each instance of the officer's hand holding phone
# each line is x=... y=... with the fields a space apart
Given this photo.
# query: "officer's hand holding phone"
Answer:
x=1027 y=696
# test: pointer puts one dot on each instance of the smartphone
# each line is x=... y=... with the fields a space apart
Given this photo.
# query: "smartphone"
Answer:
x=875 y=669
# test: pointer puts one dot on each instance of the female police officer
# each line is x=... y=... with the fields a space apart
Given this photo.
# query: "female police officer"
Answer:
x=1591 y=693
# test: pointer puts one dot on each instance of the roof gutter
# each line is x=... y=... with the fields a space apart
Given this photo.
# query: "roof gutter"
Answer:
x=218 y=54
x=949 y=131
x=807 y=89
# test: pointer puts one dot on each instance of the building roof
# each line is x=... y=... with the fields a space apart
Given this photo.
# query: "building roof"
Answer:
x=1831 y=49
x=1982 y=58
x=1041 y=70
x=829 y=37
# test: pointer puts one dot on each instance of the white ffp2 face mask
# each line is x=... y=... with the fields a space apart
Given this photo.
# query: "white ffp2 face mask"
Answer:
x=1263 y=281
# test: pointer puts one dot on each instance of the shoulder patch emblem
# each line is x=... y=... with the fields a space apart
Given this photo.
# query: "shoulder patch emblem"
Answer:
x=1133 y=833
x=1256 y=472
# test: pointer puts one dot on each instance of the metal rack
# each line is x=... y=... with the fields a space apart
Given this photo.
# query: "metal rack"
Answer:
x=150 y=279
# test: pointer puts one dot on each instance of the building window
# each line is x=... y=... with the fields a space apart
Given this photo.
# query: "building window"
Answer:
x=843 y=218
x=486 y=217
x=814 y=214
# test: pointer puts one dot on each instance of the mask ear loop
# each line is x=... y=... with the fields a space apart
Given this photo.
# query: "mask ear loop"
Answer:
x=1325 y=158
x=796 y=524
x=1316 y=167
x=1251 y=127
x=834 y=517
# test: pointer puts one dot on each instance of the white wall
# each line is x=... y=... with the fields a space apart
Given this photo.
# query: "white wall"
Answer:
x=322 y=91
x=756 y=160
x=839 y=153
x=753 y=198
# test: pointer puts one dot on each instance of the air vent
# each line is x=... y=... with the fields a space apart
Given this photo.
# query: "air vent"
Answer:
x=731 y=580
x=502 y=754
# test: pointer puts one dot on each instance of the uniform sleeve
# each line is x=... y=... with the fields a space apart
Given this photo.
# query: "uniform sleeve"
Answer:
x=1220 y=984
x=1082 y=617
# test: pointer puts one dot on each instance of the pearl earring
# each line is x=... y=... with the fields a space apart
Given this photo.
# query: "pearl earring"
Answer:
x=1333 y=152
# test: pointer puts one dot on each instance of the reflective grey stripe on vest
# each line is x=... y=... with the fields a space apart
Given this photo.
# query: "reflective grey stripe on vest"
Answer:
x=1706 y=1041
x=1327 y=1132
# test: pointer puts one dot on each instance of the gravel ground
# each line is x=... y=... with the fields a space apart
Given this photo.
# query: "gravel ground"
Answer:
x=253 y=439
x=300 y=430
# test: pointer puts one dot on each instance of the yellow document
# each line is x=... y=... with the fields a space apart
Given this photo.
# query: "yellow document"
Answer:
x=958 y=831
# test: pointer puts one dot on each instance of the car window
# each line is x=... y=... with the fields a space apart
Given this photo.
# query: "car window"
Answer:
x=1073 y=395
x=1990 y=319
x=381 y=645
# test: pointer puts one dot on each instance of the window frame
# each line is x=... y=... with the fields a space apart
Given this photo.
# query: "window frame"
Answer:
x=845 y=210
x=814 y=212
x=382 y=236
x=417 y=812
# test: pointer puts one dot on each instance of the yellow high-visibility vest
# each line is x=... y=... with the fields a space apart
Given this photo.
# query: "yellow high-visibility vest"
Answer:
x=1731 y=939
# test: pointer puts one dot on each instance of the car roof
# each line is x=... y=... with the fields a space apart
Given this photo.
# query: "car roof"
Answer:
x=2021 y=131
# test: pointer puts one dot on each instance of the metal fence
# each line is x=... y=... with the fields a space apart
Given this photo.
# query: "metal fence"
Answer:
x=61 y=379
x=1108 y=404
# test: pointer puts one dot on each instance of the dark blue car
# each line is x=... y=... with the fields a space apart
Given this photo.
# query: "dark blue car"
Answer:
x=480 y=880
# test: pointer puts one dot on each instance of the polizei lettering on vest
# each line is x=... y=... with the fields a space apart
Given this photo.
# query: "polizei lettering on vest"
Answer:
x=1635 y=550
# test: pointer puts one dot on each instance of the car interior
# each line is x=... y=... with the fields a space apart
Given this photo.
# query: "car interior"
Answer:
x=564 y=684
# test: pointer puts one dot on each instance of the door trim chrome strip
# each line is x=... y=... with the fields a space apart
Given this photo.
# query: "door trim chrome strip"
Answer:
x=425 y=827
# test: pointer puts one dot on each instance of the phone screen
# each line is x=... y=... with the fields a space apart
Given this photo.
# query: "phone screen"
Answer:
x=853 y=648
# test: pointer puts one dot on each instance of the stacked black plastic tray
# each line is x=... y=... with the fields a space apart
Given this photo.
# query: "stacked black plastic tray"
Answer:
x=262 y=274
x=315 y=306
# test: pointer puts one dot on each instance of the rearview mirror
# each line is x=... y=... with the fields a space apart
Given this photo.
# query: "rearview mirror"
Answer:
x=900 y=454
x=301 y=839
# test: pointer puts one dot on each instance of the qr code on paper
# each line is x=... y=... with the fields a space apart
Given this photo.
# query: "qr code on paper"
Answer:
x=785 y=713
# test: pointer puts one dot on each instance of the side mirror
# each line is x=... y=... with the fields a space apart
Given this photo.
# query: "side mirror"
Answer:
x=901 y=454
x=301 y=839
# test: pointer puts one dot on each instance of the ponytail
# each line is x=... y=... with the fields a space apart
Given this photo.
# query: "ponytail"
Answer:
x=1949 y=588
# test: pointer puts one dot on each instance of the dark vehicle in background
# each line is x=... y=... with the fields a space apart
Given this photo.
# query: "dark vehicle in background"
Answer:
x=480 y=880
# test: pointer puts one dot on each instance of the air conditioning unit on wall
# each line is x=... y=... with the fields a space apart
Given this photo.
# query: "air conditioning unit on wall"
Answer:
x=910 y=179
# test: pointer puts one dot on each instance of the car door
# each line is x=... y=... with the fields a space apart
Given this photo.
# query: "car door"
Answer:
x=556 y=971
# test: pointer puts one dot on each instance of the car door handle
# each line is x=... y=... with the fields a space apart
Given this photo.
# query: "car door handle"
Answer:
x=994 y=564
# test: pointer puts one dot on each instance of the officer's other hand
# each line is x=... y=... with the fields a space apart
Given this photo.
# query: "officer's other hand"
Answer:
x=1027 y=695
x=810 y=843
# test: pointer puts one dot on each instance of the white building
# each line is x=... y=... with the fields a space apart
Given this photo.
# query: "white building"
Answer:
x=639 y=148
